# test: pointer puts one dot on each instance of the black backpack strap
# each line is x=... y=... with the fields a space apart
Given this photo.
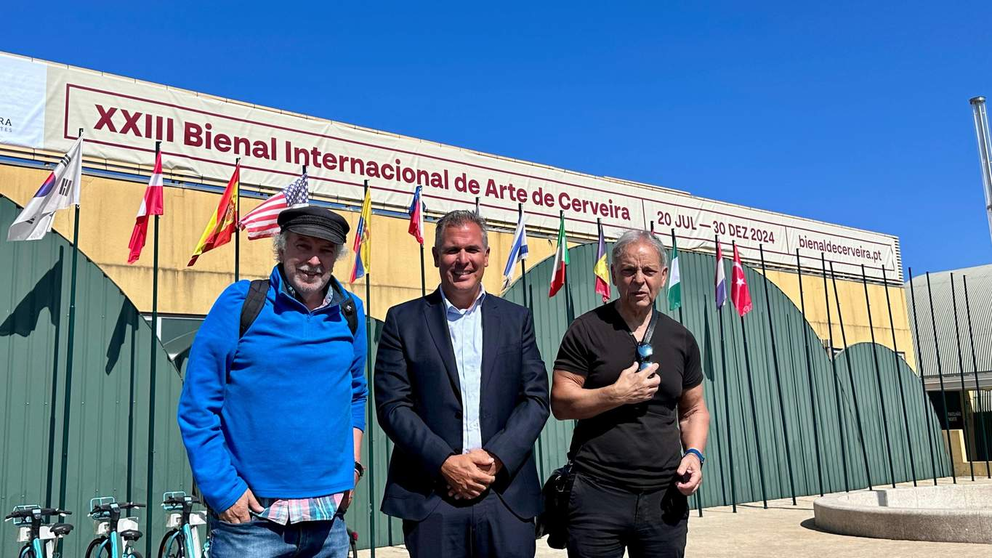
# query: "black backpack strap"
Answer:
x=254 y=301
x=347 y=306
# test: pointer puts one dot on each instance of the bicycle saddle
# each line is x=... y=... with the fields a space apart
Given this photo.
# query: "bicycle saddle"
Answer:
x=61 y=529
x=130 y=535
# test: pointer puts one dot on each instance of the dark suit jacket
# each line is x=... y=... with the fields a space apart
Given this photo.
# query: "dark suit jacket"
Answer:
x=418 y=401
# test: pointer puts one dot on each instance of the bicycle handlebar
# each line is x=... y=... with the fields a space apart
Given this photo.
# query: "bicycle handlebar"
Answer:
x=30 y=512
x=176 y=500
x=110 y=506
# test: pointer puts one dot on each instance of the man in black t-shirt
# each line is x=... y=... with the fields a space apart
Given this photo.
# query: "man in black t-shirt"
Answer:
x=632 y=476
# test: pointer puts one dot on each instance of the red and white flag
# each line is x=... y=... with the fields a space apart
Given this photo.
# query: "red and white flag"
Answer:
x=739 y=293
x=263 y=221
x=151 y=204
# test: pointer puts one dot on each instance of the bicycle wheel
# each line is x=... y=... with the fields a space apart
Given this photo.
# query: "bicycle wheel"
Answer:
x=97 y=548
x=172 y=545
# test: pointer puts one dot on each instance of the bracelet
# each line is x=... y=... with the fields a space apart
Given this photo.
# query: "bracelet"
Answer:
x=697 y=453
x=360 y=469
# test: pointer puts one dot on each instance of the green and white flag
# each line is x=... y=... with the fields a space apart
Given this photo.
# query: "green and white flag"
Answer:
x=674 y=280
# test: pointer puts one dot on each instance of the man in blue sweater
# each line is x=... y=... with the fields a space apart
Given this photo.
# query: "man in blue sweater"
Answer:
x=272 y=414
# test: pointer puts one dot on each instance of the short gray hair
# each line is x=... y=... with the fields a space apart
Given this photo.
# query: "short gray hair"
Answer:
x=638 y=235
x=458 y=218
x=279 y=246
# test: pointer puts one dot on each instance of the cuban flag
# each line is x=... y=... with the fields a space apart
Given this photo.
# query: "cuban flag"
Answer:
x=518 y=250
x=417 y=217
x=721 y=278
x=59 y=191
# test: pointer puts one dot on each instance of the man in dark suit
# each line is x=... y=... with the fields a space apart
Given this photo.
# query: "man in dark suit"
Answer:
x=461 y=390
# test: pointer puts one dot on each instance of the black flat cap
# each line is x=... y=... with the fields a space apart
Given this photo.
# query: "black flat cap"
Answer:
x=315 y=221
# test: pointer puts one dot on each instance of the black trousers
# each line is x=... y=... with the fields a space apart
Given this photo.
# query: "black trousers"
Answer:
x=603 y=520
x=483 y=529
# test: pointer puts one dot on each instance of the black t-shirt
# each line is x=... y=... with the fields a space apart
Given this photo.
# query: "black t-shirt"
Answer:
x=637 y=447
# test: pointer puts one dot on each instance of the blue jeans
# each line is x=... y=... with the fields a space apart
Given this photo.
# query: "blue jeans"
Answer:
x=264 y=539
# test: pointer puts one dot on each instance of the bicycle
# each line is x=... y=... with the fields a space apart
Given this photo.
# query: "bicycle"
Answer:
x=33 y=530
x=182 y=540
x=115 y=535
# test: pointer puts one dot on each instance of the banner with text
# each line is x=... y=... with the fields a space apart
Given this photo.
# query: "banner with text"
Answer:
x=203 y=136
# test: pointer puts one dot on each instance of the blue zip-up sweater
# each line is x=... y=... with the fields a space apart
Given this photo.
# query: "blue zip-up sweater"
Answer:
x=275 y=411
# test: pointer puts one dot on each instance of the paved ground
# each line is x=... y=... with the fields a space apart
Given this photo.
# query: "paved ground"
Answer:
x=781 y=530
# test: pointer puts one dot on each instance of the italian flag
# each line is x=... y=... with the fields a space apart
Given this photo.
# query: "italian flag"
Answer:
x=561 y=260
x=674 y=279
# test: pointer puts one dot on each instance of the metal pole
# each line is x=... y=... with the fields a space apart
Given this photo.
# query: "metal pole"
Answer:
x=919 y=365
x=67 y=389
x=778 y=376
x=371 y=396
x=902 y=393
x=149 y=482
x=974 y=367
x=726 y=398
x=237 y=229
x=809 y=373
x=833 y=367
x=850 y=375
x=878 y=378
x=754 y=413
x=984 y=151
x=940 y=375
x=477 y=206
x=964 y=391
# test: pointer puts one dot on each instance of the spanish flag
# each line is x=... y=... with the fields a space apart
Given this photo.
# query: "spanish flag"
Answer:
x=362 y=246
x=602 y=269
x=223 y=221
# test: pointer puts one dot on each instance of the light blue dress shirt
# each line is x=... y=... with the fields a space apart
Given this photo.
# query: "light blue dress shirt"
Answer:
x=465 y=327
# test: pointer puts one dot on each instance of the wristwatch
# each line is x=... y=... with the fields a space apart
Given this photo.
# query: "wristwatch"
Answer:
x=697 y=453
x=360 y=469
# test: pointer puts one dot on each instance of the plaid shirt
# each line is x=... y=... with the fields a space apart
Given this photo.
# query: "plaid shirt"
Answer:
x=322 y=508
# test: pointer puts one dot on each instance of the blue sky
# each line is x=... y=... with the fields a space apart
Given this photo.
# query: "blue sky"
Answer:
x=852 y=113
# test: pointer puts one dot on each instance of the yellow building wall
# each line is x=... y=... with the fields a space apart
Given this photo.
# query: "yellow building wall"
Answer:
x=107 y=212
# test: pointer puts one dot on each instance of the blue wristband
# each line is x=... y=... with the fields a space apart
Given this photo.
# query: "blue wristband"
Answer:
x=697 y=453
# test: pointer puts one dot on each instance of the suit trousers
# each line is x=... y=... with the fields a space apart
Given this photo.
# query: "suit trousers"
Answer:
x=603 y=520
x=485 y=528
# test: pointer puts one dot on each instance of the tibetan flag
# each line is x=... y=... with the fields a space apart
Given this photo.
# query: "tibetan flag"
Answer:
x=561 y=261
x=417 y=216
x=59 y=191
x=674 y=279
x=151 y=204
x=223 y=222
x=602 y=270
x=263 y=221
x=721 y=279
x=518 y=250
x=739 y=293
x=362 y=247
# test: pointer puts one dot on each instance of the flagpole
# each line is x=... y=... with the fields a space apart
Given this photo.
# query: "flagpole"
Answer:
x=477 y=212
x=726 y=389
x=833 y=368
x=878 y=378
x=778 y=375
x=850 y=376
x=902 y=394
x=754 y=410
x=964 y=391
x=974 y=368
x=923 y=386
x=237 y=229
x=149 y=482
x=809 y=373
x=699 y=503
x=368 y=374
x=940 y=375
x=70 y=341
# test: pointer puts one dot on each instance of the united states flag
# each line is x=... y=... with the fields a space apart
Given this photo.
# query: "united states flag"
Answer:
x=262 y=222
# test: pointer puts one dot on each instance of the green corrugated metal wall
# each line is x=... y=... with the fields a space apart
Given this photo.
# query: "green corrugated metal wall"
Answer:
x=112 y=346
x=552 y=317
